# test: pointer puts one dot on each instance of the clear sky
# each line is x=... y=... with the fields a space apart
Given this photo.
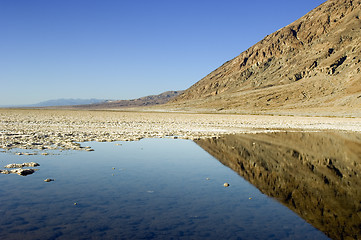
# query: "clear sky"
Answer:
x=123 y=49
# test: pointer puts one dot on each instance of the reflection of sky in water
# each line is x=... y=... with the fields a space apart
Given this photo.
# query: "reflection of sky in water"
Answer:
x=157 y=189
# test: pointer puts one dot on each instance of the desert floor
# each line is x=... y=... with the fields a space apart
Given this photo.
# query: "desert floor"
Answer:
x=64 y=129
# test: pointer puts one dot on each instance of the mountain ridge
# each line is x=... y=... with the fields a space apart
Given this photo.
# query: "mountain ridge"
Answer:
x=146 y=101
x=313 y=62
x=58 y=102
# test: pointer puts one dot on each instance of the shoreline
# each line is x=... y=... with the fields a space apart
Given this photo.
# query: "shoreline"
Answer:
x=48 y=129
x=308 y=112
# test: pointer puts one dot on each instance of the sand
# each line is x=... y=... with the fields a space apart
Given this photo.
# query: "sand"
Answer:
x=66 y=129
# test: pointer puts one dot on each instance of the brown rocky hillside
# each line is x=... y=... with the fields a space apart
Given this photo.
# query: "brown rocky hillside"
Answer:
x=313 y=63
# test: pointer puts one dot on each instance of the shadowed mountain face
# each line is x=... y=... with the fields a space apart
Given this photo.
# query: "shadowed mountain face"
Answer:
x=314 y=62
x=317 y=175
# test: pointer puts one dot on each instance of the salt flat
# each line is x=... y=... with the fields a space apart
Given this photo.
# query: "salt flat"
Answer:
x=64 y=129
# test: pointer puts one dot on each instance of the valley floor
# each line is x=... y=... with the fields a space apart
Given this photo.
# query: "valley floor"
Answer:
x=63 y=129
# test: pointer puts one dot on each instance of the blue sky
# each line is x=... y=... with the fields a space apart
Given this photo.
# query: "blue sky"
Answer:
x=115 y=49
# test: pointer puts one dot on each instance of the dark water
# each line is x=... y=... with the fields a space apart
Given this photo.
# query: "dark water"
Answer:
x=151 y=189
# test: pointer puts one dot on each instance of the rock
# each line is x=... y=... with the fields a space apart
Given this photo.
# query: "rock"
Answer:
x=31 y=164
x=14 y=165
x=21 y=165
x=23 y=172
x=226 y=184
x=5 y=171
x=49 y=180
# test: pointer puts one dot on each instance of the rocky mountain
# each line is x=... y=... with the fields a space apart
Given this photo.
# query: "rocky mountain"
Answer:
x=313 y=63
x=151 y=100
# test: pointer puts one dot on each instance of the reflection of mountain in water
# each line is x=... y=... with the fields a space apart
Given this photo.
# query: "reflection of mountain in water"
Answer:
x=317 y=175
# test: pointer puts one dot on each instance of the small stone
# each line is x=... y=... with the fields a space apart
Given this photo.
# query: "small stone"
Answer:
x=23 y=172
x=49 y=180
x=21 y=165
x=5 y=171
x=75 y=203
x=14 y=165
x=207 y=178
x=226 y=184
x=44 y=153
x=31 y=164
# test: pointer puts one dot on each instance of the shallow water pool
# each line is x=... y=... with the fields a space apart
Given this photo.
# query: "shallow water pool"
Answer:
x=150 y=189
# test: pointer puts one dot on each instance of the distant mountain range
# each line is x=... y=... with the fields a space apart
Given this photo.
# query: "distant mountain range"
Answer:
x=65 y=102
x=93 y=103
x=150 y=100
x=60 y=102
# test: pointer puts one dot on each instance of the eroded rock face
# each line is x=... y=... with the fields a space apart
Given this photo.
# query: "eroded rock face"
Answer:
x=313 y=62
x=317 y=175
